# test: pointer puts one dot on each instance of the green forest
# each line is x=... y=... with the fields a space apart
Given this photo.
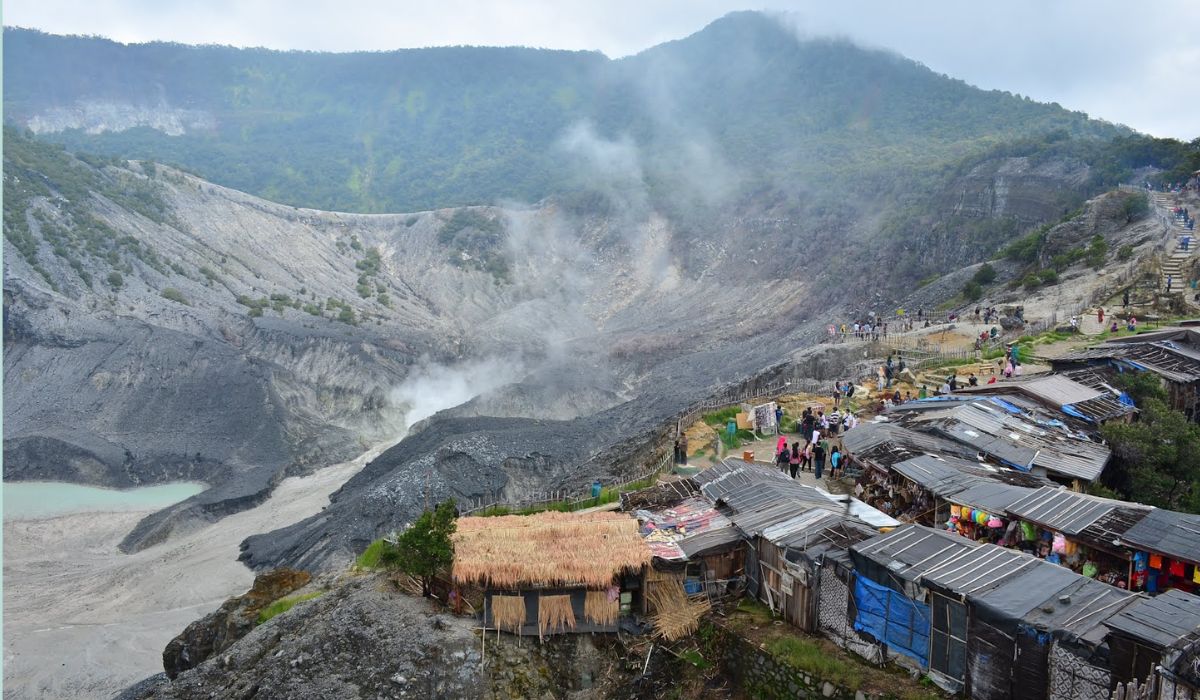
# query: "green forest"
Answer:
x=427 y=128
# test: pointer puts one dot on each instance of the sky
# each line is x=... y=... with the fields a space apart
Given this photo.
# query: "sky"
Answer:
x=1133 y=63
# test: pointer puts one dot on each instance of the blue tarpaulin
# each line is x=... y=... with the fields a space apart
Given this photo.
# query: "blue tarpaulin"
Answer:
x=1005 y=405
x=892 y=618
x=1072 y=411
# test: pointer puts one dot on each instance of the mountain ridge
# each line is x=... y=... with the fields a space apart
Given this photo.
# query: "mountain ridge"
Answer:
x=447 y=126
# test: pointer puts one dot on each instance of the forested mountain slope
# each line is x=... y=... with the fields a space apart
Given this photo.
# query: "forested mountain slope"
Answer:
x=740 y=106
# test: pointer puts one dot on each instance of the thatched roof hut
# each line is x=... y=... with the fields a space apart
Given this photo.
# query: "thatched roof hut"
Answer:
x=547 y=550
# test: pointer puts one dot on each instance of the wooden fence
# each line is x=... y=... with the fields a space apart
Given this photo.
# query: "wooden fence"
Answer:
x=568 y=498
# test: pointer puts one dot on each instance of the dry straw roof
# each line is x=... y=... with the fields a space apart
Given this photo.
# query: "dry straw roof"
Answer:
x=547 y=549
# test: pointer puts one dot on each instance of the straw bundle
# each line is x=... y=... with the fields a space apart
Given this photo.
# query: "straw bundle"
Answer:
x=600 y=609
x=675 y=615
x=555 y=614
x=508 y=612
x=547 y=549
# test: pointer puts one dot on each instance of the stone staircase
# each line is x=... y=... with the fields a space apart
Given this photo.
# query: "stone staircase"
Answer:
x=1177 y=264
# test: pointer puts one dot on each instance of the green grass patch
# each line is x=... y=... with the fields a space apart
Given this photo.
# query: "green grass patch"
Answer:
x=721 y=418
x=283 y=605
x=369 y=559
x=806 y=654
x=758 y=613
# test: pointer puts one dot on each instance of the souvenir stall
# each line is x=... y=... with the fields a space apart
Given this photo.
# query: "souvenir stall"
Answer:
x=895 y=495
x=1083 y=533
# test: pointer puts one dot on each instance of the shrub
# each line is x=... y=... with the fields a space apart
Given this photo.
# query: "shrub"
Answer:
x=346 y=315
x=1031 y=281
x=174 y=295
x=972 y=290
x=1124 y=253
x=1097 y=251
x=1135 y=206
x=115 y=280
x=986 y=274
x=1048 y=276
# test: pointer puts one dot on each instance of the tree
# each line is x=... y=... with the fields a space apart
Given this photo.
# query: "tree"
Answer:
x=1157 y=459
x=424 y=550
x=1142 y=386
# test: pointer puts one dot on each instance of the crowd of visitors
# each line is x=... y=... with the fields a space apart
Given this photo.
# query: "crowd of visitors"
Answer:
x=820 y=446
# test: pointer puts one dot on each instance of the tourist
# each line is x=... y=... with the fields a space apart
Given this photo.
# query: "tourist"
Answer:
x=778 y=419
x=794 y=459
x=683 y=449
x=1114 y=328
x=835 y=421
x=677 y=460
x=923 y=393
x=973 y=380
x=1100 y=316
x=1132 y=325
x=819 y=459
x=896 y=397
x=835 y=463
x=837 y=394
x=780 y=445
x=849 y=421
x=806 y=457
x=783 y=458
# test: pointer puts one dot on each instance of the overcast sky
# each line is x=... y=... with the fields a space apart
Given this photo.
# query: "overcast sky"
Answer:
x=1133 y=63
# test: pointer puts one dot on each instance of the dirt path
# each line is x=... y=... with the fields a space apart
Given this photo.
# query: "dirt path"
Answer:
x=82 y=620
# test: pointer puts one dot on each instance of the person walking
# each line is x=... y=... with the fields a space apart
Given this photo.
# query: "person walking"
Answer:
x=794 y=460
x=778 y=419
x=1100 y=316
x=819 y=459
x=780 y=445
x=835 y=463
x=677 y=460
x=806 y=457
x=783 y=458
x=683 y=449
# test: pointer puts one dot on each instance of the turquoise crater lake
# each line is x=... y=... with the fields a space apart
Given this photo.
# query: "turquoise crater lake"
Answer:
x=32 y=500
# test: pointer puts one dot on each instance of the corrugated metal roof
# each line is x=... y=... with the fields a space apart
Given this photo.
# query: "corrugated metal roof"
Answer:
x=709 y=540
x=1062 y=510
x=990 y=496
x=1075 y=458
x=979 y=568
x=1167 y=532
x=812 y=520
x=752 y=522
x=1015 y=440
x=1162 y=621
x=942 y=476
x=1073 y=513
x=1167 y=359
x=910 y=551
x=1058 y=390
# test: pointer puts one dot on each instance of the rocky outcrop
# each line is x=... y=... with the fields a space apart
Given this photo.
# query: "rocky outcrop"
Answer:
x=219 y=630
x=364 y=639
x=359 y=640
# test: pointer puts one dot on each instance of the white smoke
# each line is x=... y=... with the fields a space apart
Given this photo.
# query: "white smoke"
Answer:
x=432 y=388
